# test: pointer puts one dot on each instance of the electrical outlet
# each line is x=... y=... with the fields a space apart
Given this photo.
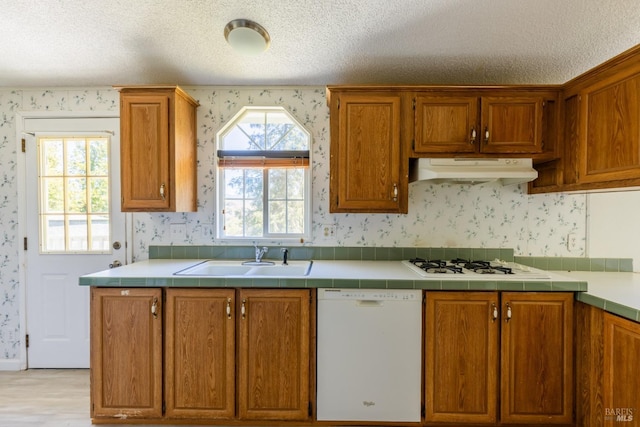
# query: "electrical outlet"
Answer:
x=572 y=242
x=328 y=231
x=178 y=231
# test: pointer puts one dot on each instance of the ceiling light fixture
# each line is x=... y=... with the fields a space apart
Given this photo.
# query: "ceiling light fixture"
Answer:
x=247 y=37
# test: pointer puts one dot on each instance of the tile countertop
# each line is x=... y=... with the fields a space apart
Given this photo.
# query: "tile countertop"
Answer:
x=618 y=293
x=323 y=274
x=615 y=292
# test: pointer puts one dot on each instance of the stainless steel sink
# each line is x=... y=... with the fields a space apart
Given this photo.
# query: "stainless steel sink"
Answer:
x=240 y=268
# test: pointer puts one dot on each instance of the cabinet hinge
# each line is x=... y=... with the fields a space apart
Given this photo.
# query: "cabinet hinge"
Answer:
x=423 y=411
x=338 y=103
x=24 y=243
x=310 y=409
x=24 y=145
x=164 y=407
x=26 y=340
x=414 y=104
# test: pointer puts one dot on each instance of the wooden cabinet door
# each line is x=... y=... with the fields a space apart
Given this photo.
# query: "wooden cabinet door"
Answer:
x=461 y=355
x=609 y=141
x=511 y=125
x=144 y=152
x=367 y=174
x=126 y=353
x=445 y=124
x=273 y=377
x=537 y=358
x=200 y=353
x=621 y=371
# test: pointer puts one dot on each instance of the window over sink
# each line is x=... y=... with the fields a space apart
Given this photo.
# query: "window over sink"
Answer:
x=264 y=184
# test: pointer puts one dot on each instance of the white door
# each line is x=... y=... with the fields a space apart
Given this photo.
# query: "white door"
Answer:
x=74 y=227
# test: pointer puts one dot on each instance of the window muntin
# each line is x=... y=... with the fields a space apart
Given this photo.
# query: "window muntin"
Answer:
x=74 y=195
x=264 y=179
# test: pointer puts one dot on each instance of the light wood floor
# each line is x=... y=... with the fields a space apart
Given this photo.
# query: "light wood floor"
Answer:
x=46 y=398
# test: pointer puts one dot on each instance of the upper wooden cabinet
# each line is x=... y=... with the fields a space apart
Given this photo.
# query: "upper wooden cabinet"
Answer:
x=376 y=129
x=447 y=124
x=600 y=130
x=609 y=131
x=157 y=149
x=511 y=125
x=368 y=161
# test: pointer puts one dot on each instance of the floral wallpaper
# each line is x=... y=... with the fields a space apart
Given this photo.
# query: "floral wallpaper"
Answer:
x=439 y=215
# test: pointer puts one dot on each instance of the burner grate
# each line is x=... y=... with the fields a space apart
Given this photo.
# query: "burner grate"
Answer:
x=458 y=265
x=436 y=266
x=476 y=270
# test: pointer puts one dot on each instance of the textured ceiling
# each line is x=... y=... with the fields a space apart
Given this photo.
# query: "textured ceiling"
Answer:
x=313 y=42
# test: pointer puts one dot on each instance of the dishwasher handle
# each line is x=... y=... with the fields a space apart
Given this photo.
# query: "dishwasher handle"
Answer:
x=369 y=303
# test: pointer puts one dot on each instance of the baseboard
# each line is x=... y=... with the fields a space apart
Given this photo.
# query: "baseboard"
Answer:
x=10 y=365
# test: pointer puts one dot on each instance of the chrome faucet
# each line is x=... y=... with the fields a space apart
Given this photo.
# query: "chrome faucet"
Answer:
x=260 y=252
x=285 y=256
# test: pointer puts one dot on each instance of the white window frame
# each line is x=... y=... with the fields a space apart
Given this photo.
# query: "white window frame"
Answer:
x=220 y=187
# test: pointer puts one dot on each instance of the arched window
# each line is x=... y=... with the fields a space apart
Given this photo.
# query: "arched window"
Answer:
x=264 y=185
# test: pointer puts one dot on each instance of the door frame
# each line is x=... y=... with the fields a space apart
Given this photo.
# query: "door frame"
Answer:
x=21 y=169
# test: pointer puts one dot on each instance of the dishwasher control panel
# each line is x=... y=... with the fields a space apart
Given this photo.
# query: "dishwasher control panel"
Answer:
x=370 y=294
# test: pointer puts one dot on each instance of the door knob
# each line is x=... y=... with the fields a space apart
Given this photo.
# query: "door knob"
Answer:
x=115 y=264
x=116 y=245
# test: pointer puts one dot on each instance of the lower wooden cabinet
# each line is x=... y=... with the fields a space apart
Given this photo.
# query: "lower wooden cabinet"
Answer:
x=126 y=353
x=461 y=355
x=273 y=377
x=537 y=358
x=200 y=350
x=607 y=368
x=243 y=356
x=224 y=351
x=512 y=350
x=621 y=371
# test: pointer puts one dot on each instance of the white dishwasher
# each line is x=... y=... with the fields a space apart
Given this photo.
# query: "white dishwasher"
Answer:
x=369 y=355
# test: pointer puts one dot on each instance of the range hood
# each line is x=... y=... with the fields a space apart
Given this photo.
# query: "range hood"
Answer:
x=472 y=171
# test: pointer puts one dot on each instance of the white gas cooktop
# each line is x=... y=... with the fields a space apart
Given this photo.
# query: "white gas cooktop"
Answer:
x=459 y=269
